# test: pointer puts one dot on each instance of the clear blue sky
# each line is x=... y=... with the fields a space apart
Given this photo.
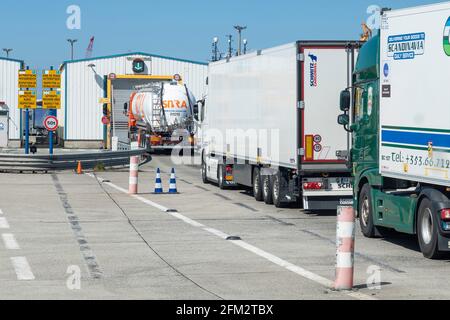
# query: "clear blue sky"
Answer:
x=37 y=31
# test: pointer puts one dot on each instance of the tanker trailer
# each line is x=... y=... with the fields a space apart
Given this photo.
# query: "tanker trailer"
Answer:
x=162 y=116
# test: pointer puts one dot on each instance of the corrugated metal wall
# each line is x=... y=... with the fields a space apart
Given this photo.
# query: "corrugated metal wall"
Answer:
x=81 y=119
x=9 y=71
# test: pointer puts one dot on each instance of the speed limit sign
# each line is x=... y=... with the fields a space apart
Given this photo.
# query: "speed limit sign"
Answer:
x=51 y=123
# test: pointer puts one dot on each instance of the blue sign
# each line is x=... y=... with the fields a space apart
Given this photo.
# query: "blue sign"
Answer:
x=386 y=70
x=406 y=46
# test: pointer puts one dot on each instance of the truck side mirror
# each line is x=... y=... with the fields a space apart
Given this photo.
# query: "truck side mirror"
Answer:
x=343 y=119
x=345 y=100
x=196 y=112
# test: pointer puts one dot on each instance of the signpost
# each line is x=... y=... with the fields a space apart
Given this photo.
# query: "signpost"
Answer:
x=51 y=79
x=27 y=79
x=27 y=99
x=51 y=124
x=51 y=99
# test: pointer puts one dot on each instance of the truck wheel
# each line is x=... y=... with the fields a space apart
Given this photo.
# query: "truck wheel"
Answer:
x=204 y=177
x=257 y=185
x=276 y=191
x=267 y=189
x=427 y=230
x=365 y=212
x=220 y=177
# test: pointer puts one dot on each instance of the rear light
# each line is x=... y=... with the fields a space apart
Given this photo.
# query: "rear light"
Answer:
x=229 y=173
x=445 y=214
x=313 y=185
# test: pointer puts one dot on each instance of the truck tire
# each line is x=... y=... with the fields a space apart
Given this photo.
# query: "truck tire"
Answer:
x=276 y=191
x=257 y=185
x=427 y=230
x=365 y=213
x=267 y=189
x=204 y=177
x=221 y=177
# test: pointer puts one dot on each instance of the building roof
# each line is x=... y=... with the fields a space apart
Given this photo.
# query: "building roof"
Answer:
x=131 y=54
x=12 y=60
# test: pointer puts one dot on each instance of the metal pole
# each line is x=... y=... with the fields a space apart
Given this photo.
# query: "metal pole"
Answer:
x=50 y=134
x=239 y=30
x=72 y=42
x=27 y=131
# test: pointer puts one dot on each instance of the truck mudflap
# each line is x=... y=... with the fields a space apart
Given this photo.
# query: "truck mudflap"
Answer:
x=444 y=242
x=327 y=193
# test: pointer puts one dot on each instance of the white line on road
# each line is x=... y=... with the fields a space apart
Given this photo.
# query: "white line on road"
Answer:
x=4 y=223
x=22 y=268
x=1 y=212
x=10 y=242
x=244 y=245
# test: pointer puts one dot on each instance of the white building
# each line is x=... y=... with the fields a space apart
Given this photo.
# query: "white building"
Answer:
x=85 y=82
x=9 y=73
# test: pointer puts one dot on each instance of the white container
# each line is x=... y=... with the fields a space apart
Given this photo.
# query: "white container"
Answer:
x=415 y=95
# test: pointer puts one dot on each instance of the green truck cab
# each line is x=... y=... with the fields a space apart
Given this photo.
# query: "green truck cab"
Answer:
x=406 y=205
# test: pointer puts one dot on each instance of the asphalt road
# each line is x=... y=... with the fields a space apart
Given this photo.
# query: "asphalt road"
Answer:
x=67 y=236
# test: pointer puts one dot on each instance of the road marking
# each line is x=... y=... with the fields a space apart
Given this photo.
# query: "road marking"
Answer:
x=1 y=212
x=146 y=201
x=10 y=242
x=22 y=268
x=244 y=245
x=86 y=251
x=4 y=223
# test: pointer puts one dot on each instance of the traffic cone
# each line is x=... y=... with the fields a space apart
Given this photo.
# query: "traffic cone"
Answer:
x=158 y=183
x=173 y=182
x=79 y=168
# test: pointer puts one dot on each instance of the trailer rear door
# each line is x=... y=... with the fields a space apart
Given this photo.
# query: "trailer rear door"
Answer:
x=325 y=70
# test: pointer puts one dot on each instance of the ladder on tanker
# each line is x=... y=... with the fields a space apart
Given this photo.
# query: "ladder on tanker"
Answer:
x=159 y=122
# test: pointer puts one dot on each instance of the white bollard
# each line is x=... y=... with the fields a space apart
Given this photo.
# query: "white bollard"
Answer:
x=134 y=172
x=345 y=256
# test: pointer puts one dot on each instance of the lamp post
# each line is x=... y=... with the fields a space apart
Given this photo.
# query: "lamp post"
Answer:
x=230 y=48
x=245 y=41
x=215 y=49
x=72 y=42
x=239 y=30
x=7 y=50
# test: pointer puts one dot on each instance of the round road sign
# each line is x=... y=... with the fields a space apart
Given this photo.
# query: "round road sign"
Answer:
x=51 y=123
x=105 y=120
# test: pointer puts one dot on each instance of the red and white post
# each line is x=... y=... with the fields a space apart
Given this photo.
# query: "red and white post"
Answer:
x=134 y=173
x=345 y=256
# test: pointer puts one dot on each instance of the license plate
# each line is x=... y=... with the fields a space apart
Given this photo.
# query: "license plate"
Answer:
x=342 y=183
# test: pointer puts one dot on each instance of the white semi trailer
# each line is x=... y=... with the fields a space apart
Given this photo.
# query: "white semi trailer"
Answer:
x=270 y=123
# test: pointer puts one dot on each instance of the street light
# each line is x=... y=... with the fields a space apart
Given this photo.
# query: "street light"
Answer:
x=239 y=30
x=72 y=42
x=215 y=49
x=245 y=45
x=7 y=51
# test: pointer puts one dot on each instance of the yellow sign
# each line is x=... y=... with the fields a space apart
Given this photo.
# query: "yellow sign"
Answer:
x=51 y=79
x=27 y=79
x=103 y=100
x=51 y=99
x=27 y=99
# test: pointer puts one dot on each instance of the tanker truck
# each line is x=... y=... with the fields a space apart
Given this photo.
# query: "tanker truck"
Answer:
x=162 y=116
x=397 y=111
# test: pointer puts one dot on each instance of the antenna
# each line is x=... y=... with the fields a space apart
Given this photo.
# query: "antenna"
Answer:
x=230 y=48
x=215 y=50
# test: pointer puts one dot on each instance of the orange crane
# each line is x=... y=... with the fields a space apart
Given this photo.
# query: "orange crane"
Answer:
x=90 y=48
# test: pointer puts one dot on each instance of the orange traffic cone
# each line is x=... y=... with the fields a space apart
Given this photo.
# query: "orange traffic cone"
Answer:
x=79 y=168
